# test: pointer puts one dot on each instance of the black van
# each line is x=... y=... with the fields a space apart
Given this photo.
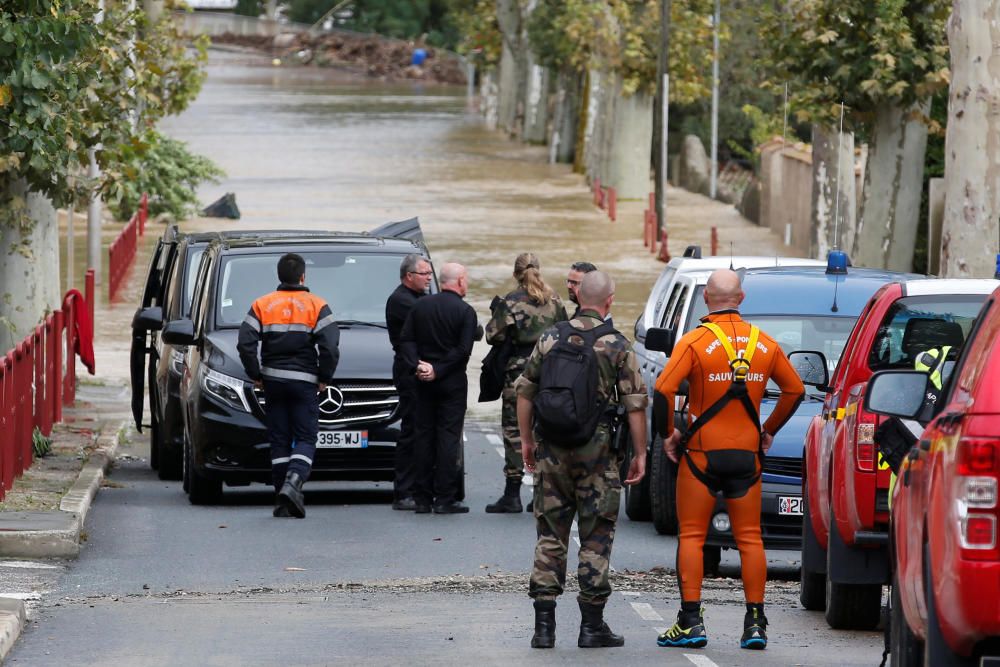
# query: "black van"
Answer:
x=224 y=438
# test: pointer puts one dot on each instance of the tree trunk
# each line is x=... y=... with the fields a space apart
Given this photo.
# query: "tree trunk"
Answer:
x=970 y=239
x=834 y=191
x=489 y=98
x=29 y=267
x=631 y=145
x=536 y=118
x=513 y=67
x=594 y=131
x=154 y=10
x=894 y=180
x=566 y=116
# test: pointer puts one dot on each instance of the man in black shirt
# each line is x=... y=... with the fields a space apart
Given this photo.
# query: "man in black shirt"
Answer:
x=436 y=343
x=415 y=277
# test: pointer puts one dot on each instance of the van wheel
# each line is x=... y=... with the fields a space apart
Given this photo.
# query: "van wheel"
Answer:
x=636 y=496
x=711 y=558
x=937 y=653
x=663 y=490
x=200 y=489
x=171 y=462
x=812 y=585
x=850 y=606
x=906 y=649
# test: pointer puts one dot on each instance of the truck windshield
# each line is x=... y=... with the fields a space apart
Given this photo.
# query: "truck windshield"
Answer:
x=355 y=285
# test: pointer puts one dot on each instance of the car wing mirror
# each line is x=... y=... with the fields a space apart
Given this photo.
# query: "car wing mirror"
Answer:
x=660 y=340
x=148 y=319
x=896 y=393
x=811 y=367
x=179 y=332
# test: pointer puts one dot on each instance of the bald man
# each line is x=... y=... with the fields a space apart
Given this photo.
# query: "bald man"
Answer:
x=436 y=343
x=727 y=363
x=574 y=479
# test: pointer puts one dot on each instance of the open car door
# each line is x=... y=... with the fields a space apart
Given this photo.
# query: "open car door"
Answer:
x=149 y=318
x=404 y=229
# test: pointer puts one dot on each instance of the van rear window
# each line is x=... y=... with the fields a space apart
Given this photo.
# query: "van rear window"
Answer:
x=918 y=323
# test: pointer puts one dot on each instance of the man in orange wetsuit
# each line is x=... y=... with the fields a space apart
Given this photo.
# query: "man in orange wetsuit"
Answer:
x=727 y=363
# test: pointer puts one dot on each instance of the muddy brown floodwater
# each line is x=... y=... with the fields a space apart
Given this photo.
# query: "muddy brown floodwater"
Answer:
x=319 y=149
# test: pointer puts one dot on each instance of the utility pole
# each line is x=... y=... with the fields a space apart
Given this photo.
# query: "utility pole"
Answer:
x=714 y=176
x=660 y=117
x=94 y=206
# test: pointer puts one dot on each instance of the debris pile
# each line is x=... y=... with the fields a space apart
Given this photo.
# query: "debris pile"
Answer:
x=378 y=57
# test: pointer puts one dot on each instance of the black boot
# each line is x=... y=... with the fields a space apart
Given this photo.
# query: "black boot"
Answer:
x=545 y=624
x=594 y=632
x=291 y=497
x=510 y=501
x=754 y=627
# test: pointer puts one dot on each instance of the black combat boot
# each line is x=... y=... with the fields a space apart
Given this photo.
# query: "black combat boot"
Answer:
x=291 y=496
x=545 y=624
x=594 y=632
x=510 y=501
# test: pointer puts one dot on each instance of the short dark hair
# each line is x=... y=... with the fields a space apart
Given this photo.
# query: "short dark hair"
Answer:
x=291 y=268
x=583 y=267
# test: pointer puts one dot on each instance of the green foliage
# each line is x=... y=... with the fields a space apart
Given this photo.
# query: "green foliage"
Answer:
x=164 y=169
x=70 y=83
x=859 y=52
x=432 y=21
x=479 y=35
x=252 y=8
x=40 y=445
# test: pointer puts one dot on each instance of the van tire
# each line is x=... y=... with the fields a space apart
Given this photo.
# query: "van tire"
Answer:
x=905 y=647
x=937 y=653
x=812 y=585
x=850 y=606
x=663 y=490
x=200 y=489
x=636 y=495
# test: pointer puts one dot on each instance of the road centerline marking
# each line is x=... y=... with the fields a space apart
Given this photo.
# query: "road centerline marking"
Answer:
x=494 y=439
x=700 y=660
x=646 y=611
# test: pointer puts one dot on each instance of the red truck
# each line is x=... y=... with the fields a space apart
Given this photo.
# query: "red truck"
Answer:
x=946 y=586
x=845 y=484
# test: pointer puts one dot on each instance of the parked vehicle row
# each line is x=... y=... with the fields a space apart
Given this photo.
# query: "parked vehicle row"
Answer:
x=206 y=416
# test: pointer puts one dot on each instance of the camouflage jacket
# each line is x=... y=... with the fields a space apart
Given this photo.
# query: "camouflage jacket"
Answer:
x=525 y=321
x=619 y=367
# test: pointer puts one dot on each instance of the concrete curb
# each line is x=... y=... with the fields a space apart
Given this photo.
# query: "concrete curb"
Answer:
x=12 y=617
x=64 y=541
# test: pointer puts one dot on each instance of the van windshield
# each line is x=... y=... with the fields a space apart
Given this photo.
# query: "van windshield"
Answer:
x=356 y=285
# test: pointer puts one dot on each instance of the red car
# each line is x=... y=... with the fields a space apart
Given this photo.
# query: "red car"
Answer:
x=845 y=482
x=946 y=592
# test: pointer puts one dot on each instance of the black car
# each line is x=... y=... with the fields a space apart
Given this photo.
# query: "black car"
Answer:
x=224 y=437
x=166 y=297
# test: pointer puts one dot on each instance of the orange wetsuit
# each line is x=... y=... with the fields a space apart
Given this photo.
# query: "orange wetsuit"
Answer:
x=701 y=359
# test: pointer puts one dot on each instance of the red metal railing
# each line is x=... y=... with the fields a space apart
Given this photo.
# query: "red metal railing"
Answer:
x=34 y=384
x=122 y=252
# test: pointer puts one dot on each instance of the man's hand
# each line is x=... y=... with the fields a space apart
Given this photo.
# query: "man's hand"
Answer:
x=425 y=371
x=528 y=452
x=322 y=386
x=670 y=446
x=636 y=469
x=766 y=439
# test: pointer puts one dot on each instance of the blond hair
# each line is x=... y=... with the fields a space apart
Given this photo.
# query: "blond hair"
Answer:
x=529 y=277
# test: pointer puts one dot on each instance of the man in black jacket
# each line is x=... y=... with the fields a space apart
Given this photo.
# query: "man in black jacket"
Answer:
x=299 y=349
x=415 y=276
x=436 y=343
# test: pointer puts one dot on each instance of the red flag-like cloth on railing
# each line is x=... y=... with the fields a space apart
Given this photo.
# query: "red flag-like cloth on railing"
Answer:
x=84 y=330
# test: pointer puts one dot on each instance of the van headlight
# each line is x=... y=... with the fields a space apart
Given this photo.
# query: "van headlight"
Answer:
x=177 y=362
x=225 y=388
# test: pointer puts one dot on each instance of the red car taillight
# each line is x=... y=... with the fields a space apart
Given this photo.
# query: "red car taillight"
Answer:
x=976 y=484
x=860 y=426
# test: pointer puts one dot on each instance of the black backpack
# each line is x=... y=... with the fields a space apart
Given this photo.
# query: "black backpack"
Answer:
x=568 y=406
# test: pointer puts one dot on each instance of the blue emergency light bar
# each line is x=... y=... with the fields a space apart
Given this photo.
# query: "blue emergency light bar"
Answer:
x=836 y=263
x=997 y=274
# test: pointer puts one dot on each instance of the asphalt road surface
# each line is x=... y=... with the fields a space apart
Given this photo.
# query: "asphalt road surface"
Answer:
x=161 y=582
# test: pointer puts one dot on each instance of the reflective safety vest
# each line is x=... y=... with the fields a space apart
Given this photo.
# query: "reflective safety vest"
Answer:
x=932 y=362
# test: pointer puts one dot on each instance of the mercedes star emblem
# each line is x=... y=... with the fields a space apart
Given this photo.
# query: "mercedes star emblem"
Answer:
x=332 y=401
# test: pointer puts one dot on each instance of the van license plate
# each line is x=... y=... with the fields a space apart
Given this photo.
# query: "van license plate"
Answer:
x=342 y=439
x=790 y=505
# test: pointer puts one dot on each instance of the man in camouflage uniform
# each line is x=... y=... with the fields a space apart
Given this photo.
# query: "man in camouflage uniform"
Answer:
x=517 y=316
x=584 y=480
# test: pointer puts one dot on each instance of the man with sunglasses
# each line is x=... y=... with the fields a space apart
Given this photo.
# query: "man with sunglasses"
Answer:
x=415 y=275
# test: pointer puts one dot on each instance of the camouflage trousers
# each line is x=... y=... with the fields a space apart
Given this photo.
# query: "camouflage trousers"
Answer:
x=513 y=461
x=584 y=483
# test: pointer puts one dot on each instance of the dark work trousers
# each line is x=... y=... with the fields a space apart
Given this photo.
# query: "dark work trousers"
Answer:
x=405 y=472
x=438 y=452
x=292 y=409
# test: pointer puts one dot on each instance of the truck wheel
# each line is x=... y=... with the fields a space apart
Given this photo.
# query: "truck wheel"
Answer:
x=711 y=559
x=851 y=606
x=200 y=489
x=663 y=490
x=812 y=585
x=636 y=496
x=937 y=653
x=906 y=649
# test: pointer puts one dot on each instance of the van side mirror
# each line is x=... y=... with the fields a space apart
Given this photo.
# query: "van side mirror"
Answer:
x=660 y=340
x=896 y=393
x=179 y=332
x=811 y=367
x=148 y=319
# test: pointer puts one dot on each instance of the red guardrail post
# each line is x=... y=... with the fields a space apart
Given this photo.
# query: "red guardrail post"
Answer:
x=90 y=293
x=57 y=366
x=612 y=204
x=22 y=392
x=6 y=427
x=715 y=241
x=38 y=344
x=69 y=380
